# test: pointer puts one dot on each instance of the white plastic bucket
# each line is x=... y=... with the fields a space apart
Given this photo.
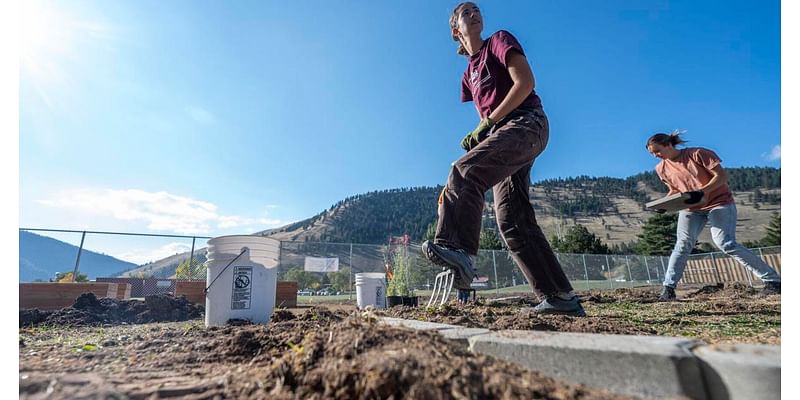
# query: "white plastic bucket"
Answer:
x=244 y=288
x=371 y=289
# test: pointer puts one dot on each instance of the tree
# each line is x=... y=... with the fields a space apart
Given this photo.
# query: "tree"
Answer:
x=773 y=237
x=400 y=283
x=489 y=240
x=340 y=280
x=67 y=277
x=430 y=232
x=578 y=240
x=303 y=278
x=197 y=271
x=658 y=235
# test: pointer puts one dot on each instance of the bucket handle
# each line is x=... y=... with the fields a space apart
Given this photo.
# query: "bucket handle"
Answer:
x=205 y=291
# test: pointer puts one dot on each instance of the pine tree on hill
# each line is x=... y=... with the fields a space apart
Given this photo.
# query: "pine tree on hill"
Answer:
x=658 y=235
x=579 y=240
x=773 y=237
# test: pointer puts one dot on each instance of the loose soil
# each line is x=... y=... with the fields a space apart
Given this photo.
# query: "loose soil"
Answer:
x=113 y=348
x=313 y=354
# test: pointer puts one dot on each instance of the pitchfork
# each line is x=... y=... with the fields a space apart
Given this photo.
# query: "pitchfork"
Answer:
x=442 y=287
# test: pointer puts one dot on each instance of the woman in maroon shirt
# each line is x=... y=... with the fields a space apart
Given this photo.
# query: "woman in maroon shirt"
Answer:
x=513 y=131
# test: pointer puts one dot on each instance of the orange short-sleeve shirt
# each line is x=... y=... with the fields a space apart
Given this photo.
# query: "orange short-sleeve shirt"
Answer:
x=690 y=171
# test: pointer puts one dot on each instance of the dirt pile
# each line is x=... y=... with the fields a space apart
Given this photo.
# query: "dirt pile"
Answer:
x=89 y=310
x=733 y=290
x=359 y=359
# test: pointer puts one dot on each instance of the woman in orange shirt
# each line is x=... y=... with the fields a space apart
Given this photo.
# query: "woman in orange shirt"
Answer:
x=699 y=172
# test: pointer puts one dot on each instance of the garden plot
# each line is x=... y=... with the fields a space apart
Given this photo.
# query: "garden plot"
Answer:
x=110 y=348
x=314 y=354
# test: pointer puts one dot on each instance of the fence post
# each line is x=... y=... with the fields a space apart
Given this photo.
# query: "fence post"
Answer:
x=496 y=282
x=191 y=258
x=78 y=258
x=585 y=271
x=647 y=268
x=608 y=264
x=630 y=275
x=350 y=288
x=716 y=269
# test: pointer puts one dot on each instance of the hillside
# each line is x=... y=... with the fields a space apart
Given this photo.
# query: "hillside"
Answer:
x=40 y=257
x=612 y=208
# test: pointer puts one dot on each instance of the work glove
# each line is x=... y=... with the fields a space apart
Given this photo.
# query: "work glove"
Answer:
x=694 y=197
x=477 y=135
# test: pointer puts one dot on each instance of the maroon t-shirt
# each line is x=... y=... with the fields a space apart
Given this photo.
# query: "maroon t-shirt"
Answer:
x=486 y=80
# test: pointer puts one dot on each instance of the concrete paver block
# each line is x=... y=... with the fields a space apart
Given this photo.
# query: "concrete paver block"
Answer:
x=645 y=366
x=741 y=371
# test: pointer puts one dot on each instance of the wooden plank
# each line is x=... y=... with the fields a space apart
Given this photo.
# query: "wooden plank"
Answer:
x=286 y=294
x=123 y=291
x=55 y=295
x=774 y=261
x=688 y=272
x=193 y=290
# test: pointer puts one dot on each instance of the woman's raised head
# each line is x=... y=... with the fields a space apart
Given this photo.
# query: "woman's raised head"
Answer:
x=461 y=20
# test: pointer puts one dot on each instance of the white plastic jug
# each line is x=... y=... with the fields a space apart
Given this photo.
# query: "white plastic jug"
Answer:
x=370 y=289
x=241 y=278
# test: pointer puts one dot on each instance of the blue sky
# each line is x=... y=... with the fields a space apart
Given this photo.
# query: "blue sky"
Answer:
x=210 y=118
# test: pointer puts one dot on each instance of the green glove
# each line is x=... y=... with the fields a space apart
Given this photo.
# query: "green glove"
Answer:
x=477 y=135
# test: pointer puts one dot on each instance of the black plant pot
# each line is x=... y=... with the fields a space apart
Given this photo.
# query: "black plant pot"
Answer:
x=392 y=301
x=410 y=301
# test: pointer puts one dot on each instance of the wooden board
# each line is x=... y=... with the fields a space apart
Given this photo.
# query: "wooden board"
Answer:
x=55 y=296
x=286 y=294
x=674 y=202
x=193 y=290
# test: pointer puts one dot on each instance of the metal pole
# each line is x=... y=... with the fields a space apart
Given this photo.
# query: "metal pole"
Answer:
x=608 y=264
x=191 y=259
x=663 y=268
x=350 y=288
x=78 y=258
x=496 y=283
x=585 y=271
x=630 y=276
x=646 y=268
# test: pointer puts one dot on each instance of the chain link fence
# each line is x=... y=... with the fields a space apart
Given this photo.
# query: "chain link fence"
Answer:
x=496 y=270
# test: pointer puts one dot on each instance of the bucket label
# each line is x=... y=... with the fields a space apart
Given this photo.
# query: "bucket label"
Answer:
x=379 y=297
x=242 y=287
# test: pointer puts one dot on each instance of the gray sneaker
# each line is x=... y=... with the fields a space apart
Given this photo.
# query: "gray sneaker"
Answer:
x=455 y=259
x=557 y=305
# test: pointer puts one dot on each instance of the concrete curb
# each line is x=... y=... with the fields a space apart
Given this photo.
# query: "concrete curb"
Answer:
x=741 y=371
x=643 y=366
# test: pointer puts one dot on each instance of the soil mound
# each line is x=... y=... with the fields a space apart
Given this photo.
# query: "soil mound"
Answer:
x=734 y=290
x=358 y=358
x=89 y=310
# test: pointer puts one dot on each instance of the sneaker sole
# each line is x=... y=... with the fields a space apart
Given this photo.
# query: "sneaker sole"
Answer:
x=431 y=255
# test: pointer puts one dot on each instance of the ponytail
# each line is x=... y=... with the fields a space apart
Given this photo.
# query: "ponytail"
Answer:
x=672 y=139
